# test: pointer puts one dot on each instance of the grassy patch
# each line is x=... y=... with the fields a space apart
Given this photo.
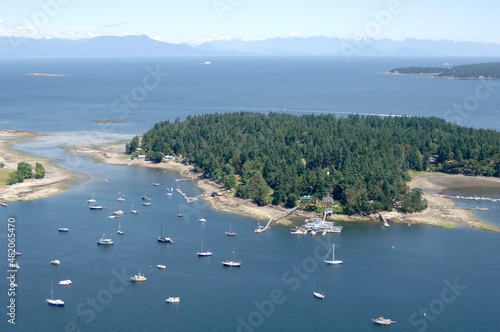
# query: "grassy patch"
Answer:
x=4 y=175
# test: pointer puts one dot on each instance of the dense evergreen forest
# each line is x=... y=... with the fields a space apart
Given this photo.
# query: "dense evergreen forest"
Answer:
x=361 y=161
x=486 y=70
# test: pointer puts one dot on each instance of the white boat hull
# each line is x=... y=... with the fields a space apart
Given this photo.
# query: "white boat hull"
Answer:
x=319 y=295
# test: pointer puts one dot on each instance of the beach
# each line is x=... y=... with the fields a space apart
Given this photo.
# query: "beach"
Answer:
x=441 y=211
x=56 y=180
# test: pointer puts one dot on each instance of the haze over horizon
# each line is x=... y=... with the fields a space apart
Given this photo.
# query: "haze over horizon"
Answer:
x=206 y=20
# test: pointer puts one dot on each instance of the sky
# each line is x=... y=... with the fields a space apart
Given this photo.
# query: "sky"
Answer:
x=196 y=21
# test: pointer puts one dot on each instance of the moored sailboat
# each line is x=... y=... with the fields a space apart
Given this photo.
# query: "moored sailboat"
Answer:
x=204 y=253
x=332 y=261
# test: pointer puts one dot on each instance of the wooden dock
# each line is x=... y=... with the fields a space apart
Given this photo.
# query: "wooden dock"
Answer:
x=280 y=216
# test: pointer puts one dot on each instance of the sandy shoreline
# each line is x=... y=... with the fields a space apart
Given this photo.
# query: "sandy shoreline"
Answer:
x=56 y=181
x=441 y=212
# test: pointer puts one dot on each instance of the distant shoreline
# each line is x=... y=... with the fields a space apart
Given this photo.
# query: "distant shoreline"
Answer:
x=43 y=74
x=434 y=75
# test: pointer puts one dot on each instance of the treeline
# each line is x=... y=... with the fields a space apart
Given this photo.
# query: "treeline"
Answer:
x=417 y=70
x=361 y=161
x=25 y=171
x=486 y=70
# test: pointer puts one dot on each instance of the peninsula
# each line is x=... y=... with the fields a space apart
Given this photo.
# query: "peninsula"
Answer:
x=489 y=70
x=361 y=163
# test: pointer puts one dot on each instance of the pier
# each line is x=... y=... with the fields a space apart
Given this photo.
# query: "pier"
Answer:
x=188 y=199
x=273 y=219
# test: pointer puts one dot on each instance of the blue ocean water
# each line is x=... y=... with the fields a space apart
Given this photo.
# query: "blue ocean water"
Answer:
x=401 y=272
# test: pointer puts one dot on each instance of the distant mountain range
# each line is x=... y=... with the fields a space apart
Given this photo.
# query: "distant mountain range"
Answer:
x=136 y=46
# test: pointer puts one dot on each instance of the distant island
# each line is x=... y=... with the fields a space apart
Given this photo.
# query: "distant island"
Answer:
x=361 y=163
x=490 y=70
x=110 y=121
x=42 y=74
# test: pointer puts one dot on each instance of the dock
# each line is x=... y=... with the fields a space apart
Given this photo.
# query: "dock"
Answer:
x=188 y=199
x=276 y=218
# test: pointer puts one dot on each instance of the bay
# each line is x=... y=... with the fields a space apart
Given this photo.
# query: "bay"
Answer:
x=399 y=272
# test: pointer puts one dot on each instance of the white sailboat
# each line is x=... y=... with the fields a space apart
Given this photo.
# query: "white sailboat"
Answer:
x=51 y=301
x=232 y=263
x=163 y=239
x=317 y=293
x=230 y=233
x=332 y=261
x=132 y=210
x=204 y=253
x=120 y=229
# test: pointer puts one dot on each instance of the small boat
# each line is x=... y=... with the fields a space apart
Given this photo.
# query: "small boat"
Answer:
x=179 y=214
x=120 y=229
x=260 y=228
x=383 y=321
x=14 y=266
x=4 y=204
x=230 y=233
x=65 y=282
x=145 y=198
x=169 y=194
x=204 y=253
x=138 y=277
x=298 y=231
x=173 y=300
x=163 y=239
x=95 y=207
x=201 y=219
x=332 y=261
x=132 y=210
x=120 y=199
x=92 y=199
x=317 y=293
x=17 y=253
x=56 y=262
x=146 y=204
x=63 y=229
x=161 y=267
x=118 y=212
x=104 y=241
x=51 y=301
x=156 y=184
x=111 y=215
x=232 y=263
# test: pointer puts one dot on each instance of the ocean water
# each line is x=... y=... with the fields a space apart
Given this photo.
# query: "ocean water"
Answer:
x=401 y=272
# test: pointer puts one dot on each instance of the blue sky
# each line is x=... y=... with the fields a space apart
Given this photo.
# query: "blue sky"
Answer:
x=195 y=21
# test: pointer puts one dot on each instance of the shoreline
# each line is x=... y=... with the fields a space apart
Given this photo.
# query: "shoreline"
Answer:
x=441 y=211
x=57 y=179
x=435 y=75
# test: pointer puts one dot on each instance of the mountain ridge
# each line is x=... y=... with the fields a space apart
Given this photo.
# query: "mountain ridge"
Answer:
x=142 y=45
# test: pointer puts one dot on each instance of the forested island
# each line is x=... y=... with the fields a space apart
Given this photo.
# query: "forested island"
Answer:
x=489 y=70
x=362 y=162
